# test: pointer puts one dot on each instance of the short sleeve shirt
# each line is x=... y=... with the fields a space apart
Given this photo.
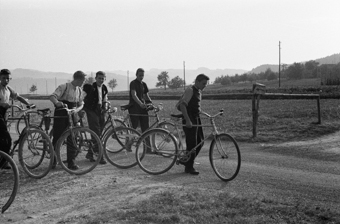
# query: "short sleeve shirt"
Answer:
x=141 y=88
x=6 y=92
x=69 y=92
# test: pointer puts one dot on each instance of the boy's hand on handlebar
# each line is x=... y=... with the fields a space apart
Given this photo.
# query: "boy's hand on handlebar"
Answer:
x=60 y=105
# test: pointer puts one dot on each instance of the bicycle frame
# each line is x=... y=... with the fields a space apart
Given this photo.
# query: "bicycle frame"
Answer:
x=185 y=155
x=158 y=108
x=25 y=114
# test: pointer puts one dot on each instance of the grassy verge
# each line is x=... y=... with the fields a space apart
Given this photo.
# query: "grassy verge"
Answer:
x=279 y=120
x=196 y=206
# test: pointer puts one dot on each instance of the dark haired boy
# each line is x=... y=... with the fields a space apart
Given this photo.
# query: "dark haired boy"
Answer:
x=95 y=99
x=190 y=106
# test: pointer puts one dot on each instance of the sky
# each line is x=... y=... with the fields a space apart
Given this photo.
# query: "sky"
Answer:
x=108 y=35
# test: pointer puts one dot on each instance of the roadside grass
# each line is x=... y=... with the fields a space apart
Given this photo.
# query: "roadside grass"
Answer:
x=279 y=120
x=199 y=206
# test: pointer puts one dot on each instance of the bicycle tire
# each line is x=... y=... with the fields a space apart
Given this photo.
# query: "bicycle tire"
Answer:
x=108 y=126
x=34 y=121
x=225 y=156
x=9 y=183
x=36 y=153
x=119 y=147
x=167 y=126
x=160 y=158
x=86 y=140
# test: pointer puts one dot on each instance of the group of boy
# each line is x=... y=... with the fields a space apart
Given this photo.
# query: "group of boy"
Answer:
x=93 y=97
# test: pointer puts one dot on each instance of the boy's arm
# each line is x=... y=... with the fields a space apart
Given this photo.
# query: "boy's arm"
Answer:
x=184 y=111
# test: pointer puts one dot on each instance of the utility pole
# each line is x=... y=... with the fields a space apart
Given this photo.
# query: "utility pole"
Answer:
x=279 y=64
x=184 y=73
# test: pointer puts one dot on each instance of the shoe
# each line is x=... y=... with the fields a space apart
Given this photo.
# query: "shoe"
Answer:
x=89 y=157
x=191 y=171
x=73 y=167
x=102 y=161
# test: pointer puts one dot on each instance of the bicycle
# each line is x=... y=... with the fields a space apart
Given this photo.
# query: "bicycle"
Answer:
x=224 y=153
x=35 y=150
x=118 y=142
x=9 y=183
x=120 y=139
x=82 y=140
x=158 y=123
x=37 y=119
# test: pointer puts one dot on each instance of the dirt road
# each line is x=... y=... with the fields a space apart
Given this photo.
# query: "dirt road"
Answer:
x=306 y=173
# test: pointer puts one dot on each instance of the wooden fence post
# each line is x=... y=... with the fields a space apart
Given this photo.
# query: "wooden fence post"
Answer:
x=319 y=110
x=258 y=90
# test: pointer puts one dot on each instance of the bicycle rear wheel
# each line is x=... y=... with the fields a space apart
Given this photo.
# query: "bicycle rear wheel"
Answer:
x=9 y=183
x=84 y=141
x=36 y=153
x=225 y=157
x=120 y=147
x=160 y=156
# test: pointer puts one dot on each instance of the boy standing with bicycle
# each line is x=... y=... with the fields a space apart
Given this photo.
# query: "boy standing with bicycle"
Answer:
x=6 y=92
x=190 y=106
x=69 y=94
x=95 y=98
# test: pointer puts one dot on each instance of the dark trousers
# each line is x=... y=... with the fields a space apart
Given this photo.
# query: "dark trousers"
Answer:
x=193 y=136
x=141 y=119
x=59 y=126
x=96 y=120
x=5 y=137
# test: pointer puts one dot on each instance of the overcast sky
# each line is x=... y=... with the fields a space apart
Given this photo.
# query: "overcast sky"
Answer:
x=92 y=35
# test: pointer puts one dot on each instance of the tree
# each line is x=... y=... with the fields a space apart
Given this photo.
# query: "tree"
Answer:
x=33 y=88
x=112 y=84
x=269 y=74
x=176 y=83
x=311 y=68
x=163 y=79
x=294 y=71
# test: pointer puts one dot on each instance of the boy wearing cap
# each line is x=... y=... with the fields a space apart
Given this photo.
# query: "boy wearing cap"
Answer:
x=6 y=92
x=95 y=97
x=69 y=94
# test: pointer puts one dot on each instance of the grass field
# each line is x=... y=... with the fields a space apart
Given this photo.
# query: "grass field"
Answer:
x=280 y=120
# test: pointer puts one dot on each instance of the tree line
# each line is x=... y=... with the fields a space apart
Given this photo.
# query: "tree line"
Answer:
x=328 y=73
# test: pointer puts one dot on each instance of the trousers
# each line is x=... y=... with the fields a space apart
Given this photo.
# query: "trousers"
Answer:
x=193 y=136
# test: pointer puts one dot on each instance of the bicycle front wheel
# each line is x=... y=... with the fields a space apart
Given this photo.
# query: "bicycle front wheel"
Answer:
x=80 y=146
x=159 y=157
x=120 y=147
x=9 y=183
x=225 y=157
x=36 y=153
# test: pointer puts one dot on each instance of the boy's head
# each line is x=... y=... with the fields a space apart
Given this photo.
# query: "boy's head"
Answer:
x=100 y=78
x=79 y=78
x=201 y=81
x=140 y=74
x=5 y=76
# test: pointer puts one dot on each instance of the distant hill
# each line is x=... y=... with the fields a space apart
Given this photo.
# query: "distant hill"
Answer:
x=332 y=59
x=46 y=82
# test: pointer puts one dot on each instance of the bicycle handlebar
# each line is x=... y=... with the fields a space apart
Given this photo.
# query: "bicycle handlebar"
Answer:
x=28 y=107
x=212 y=116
